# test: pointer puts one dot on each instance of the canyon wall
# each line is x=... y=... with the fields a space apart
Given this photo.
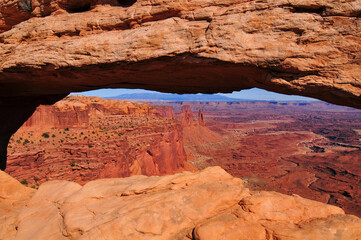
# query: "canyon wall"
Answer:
x=86 y=138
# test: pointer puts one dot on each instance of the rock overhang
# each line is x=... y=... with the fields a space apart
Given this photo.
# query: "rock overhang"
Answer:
x=293 y=47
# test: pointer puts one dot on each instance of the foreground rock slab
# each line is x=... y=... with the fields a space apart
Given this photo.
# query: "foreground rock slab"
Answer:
x=206 y=205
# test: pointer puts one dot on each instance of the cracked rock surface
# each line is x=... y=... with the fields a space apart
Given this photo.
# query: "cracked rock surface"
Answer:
x=210 y=204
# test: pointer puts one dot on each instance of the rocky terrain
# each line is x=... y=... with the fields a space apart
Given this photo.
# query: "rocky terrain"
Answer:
x=51 y=48
x=308 y=148
x=207 y=205
x=86 y=138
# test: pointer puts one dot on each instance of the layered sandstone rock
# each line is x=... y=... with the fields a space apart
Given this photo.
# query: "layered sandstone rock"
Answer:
x=86 y=138
x=207 y=205
x=75 y=111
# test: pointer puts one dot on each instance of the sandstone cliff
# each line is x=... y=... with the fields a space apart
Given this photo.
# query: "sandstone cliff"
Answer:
x=86 y=138
x=206 y=205
x=75 y=111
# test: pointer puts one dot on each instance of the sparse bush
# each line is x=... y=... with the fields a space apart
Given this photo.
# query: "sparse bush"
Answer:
x=53 y=136
x=72 y=164
x=45 y=135
x=90 y=146
x=26 y=141
x=24 y=182
x=66 y=129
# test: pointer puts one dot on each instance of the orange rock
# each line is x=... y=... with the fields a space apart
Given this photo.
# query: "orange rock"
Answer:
x=210 y=204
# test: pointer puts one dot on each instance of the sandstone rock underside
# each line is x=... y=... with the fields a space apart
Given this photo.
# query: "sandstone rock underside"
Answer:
x=210 y=204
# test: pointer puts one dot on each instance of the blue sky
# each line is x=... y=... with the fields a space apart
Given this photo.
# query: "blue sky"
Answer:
x=251 y=94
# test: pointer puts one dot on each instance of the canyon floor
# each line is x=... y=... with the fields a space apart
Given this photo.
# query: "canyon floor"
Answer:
x=308 y=148
x=311 y=149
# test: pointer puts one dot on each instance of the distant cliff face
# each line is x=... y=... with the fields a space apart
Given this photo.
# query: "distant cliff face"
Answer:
x=59 y=115
x=85 y=138
x=75 y=111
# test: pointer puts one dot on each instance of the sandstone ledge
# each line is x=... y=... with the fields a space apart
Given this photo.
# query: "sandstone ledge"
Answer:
x=210 y=204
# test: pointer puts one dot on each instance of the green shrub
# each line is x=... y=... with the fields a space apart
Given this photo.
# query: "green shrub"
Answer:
x=72 y=164
x=24 y=182
x=45 y=135
x=26 y=141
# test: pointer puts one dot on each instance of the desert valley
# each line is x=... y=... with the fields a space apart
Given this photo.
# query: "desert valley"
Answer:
x=312 y=149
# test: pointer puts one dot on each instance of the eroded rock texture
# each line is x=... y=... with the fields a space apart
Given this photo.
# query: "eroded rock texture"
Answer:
x=86 y=138
x=207 y=205
x=303 y=47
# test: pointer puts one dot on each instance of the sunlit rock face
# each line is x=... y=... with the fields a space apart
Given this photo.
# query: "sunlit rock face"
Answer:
x=206 y=205
x=86 y=138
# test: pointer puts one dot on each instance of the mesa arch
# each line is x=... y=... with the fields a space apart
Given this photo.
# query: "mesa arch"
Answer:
x=51 y=48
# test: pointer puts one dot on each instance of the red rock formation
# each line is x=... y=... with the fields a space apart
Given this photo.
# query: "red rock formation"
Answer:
x=201 y=118
x=186 y=115
x=195 y=132
x=60 y=115
x=116 y=139
x=164 y=112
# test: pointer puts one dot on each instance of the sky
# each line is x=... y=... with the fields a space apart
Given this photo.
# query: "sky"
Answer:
x=250 y=94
